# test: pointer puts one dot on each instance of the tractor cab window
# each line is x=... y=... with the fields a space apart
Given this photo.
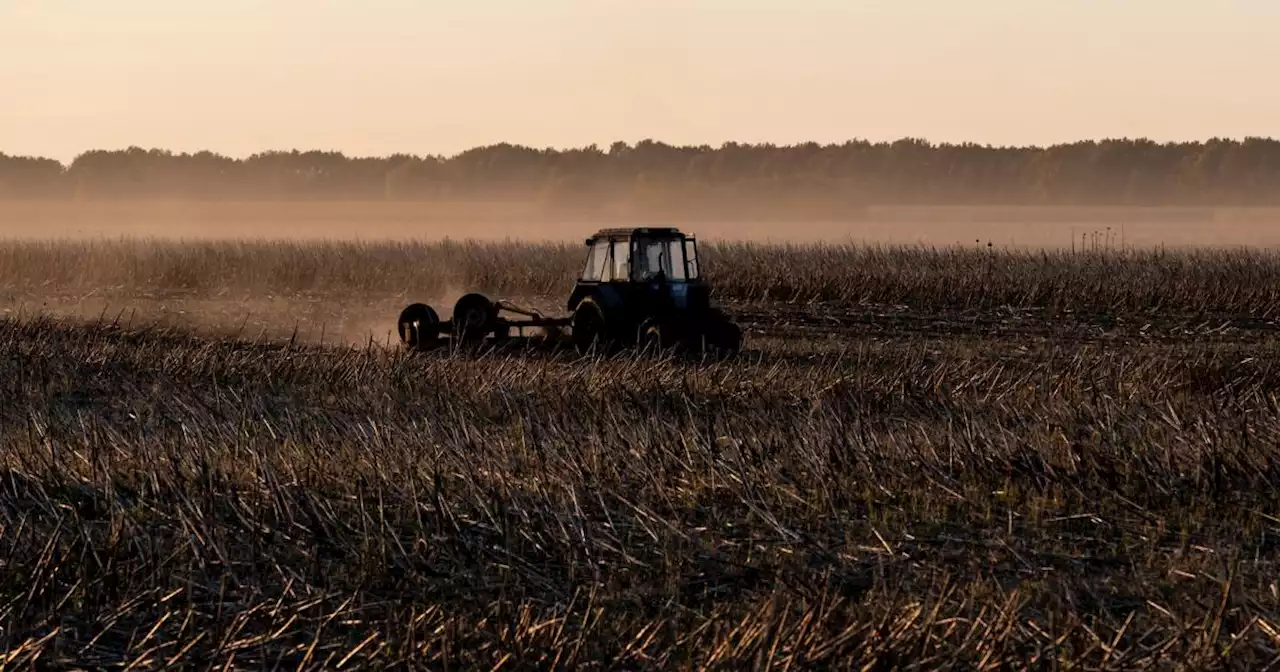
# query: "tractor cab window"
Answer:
x=691 y=258
x=675 y=257
x=621 y=260
x=597 y=257
x=662 y=258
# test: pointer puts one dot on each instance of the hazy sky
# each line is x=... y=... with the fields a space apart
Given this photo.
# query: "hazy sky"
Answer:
x=382 y=76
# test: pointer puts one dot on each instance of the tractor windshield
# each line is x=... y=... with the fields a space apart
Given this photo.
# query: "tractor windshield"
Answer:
x=659 y=258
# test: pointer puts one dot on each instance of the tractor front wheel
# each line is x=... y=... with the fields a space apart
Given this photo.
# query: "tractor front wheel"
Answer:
x=652 y=336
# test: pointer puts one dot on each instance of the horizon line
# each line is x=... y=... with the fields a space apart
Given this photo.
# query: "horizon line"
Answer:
x=700 y=146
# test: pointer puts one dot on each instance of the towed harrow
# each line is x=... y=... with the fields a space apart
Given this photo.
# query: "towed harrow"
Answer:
x=639 y=286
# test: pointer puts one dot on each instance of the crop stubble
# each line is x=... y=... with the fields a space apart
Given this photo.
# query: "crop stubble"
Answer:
x=941 y=457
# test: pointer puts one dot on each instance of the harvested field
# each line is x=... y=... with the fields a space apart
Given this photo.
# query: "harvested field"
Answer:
x=924 y=458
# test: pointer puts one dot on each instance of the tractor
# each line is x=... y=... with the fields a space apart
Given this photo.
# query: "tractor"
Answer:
x=639 y=287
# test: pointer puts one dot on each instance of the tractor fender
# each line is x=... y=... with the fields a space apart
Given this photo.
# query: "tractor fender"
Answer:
x=606 y=296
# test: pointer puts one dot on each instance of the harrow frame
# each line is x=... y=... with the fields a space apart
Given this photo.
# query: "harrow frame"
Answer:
x=475 y=318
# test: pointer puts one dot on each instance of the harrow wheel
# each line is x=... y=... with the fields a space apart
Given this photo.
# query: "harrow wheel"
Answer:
x=418 y=326
x=474 y=316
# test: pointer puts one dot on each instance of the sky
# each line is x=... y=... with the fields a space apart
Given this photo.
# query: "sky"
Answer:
x=377 y=77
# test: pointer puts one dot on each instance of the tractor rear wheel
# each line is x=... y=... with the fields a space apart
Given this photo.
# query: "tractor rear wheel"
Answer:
x=589 y=326
x=418 y=326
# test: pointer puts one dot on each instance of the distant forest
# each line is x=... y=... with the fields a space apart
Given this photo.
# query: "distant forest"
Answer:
x=648 y=176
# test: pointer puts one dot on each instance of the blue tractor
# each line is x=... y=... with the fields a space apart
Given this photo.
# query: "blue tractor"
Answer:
x=640 y=286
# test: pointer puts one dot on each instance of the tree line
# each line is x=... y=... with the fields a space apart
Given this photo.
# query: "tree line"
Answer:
x=651 y=175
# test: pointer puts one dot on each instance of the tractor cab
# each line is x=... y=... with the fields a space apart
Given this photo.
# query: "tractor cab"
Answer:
x=641 y=280
x=661 y=262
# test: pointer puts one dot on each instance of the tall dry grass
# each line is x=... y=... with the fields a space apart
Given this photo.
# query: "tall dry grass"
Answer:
x=1211 y=282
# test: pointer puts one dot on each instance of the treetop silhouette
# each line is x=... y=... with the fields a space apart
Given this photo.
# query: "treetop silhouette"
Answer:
x=652 y=176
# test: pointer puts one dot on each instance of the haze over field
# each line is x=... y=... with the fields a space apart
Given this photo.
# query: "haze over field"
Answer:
x=1011 y=227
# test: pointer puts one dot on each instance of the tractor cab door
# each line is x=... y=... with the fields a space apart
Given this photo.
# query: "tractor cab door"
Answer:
x=661 y=259
x=661 y=272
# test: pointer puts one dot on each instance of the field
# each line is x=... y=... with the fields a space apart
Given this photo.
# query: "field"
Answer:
x=933 y=458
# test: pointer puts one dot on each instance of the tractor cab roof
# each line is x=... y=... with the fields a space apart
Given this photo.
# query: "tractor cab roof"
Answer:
x=623 y=233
